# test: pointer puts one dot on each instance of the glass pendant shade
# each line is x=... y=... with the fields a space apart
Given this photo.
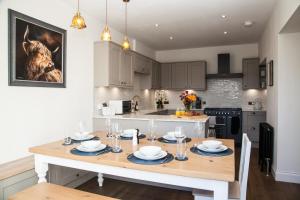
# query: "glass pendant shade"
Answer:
x=126 y=44
x=105 y=35
x=78 y=21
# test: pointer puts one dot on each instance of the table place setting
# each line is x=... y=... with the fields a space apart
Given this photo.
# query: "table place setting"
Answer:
x=128 y=134
x=91 y=148
x=213 y=148
x=150 y=155
x=171 y=138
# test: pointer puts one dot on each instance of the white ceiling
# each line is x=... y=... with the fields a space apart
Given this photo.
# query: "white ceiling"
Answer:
x=192 y=23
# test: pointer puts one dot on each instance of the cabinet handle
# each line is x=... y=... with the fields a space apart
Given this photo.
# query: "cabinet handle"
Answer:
x=253 y=128
x=254 y=113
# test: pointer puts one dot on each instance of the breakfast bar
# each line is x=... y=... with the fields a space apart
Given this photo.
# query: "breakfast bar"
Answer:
x=198 y=172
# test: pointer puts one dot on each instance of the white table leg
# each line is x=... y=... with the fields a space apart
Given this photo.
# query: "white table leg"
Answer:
x=221 y=191
x=100 y=179
x=41 y=169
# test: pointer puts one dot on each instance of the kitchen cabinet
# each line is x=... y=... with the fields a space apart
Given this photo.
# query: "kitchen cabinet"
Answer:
x=166 y=76
x=197 y=75
x=156 y=75
x=141 y=64
x=251 y=79
x=112 y=65
x=126 y=71
x=179 y=76
x=251 y=121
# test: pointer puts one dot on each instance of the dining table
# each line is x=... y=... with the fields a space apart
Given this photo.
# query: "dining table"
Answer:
x=213 y=173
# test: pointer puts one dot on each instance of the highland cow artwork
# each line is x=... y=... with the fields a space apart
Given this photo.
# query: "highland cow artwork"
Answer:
x=37 y=52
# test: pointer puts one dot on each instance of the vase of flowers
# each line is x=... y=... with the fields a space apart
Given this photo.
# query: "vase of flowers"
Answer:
x=188 y=98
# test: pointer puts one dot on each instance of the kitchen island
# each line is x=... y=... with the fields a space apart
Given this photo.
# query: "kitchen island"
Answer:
x=165 y=122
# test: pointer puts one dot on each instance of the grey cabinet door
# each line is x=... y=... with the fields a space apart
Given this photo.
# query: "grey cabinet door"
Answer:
x=114 y=64
x=180 y=76
x=126 y=69
x=197 y=75
x=251 y=73
x=156 y=76
x=166 y=81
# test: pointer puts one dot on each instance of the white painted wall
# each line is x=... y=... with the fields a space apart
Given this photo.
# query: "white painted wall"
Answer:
x=32 y=116
x=288 y=107
x=210 y=54
x=268 y=48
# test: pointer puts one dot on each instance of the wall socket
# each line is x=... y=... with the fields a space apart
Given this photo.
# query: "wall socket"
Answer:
x=250 y=103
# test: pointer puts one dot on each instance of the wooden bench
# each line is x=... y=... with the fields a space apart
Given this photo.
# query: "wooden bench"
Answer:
x=44 y=191
x=16 y=176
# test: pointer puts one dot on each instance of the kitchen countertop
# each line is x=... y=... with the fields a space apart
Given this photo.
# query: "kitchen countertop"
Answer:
x=142 y=115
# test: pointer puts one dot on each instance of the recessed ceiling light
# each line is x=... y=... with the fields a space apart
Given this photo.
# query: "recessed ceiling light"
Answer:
x=225 y=32
x=248 y=23
x=224 y=16
x=171 y=38
x=156 y=25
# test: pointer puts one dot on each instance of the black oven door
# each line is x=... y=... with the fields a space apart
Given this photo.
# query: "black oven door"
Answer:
x=220 y=126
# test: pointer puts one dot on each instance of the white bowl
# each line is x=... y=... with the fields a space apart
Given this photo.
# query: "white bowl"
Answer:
x=92 y=144
x=129 y=132
x=81 y=135
x=150 y=150
x=212 y=144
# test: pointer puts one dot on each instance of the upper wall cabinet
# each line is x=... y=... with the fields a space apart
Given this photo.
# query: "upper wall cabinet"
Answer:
x=197 y=75
x=184 y=75
x=156 y=75
x=251 y=73
x=112 y=65
x=166 y=76
x=180 y=76
x=141 y=64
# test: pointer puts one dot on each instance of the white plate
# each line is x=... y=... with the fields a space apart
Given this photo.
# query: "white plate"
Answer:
x=218 y=150
x=167 y=137
x=99 y=148
x=127 y=135
x=87 y=137
x=139 y=155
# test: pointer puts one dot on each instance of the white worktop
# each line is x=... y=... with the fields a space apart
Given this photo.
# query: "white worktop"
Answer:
x=142 y=115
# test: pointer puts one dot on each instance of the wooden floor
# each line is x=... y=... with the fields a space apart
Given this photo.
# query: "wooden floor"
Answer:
x=259 y=187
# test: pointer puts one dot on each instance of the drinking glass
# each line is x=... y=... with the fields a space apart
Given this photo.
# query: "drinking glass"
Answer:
x=108 y=127
x=181 y=148
x=199 y=130
x=116 y=132
x=152 y=130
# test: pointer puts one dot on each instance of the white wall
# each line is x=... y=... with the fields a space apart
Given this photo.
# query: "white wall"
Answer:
x=32 y=116
x=210 y=54
x=268 y=48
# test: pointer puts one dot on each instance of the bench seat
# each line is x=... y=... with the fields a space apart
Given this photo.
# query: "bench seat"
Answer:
x=46 y=191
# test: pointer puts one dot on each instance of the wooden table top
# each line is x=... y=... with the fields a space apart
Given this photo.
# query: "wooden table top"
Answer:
x=197 y=166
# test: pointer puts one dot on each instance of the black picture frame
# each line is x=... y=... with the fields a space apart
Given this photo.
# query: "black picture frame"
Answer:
x=51 y=69
x=271 y=73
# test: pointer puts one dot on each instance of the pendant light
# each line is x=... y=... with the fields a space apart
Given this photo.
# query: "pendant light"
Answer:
x=105 y=35
x=78 y=21
x=126 y=44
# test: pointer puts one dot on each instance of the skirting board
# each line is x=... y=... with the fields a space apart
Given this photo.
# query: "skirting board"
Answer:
x=287 y=177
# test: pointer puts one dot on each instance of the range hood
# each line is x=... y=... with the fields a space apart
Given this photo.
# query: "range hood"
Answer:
x=224 y=68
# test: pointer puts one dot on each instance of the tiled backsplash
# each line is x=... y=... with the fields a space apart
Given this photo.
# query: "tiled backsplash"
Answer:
x=222 y=93
x=219 y=93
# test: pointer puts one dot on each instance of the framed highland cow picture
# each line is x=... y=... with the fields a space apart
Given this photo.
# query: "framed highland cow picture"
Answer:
x=37 y=52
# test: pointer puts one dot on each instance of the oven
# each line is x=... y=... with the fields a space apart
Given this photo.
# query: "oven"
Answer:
x=227 y=123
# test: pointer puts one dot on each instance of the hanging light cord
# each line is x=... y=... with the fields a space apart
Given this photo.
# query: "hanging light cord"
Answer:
x=126 y=18
x=106 y=13
x=78 y=6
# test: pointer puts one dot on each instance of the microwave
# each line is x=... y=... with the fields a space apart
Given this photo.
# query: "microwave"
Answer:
x=120 y=107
